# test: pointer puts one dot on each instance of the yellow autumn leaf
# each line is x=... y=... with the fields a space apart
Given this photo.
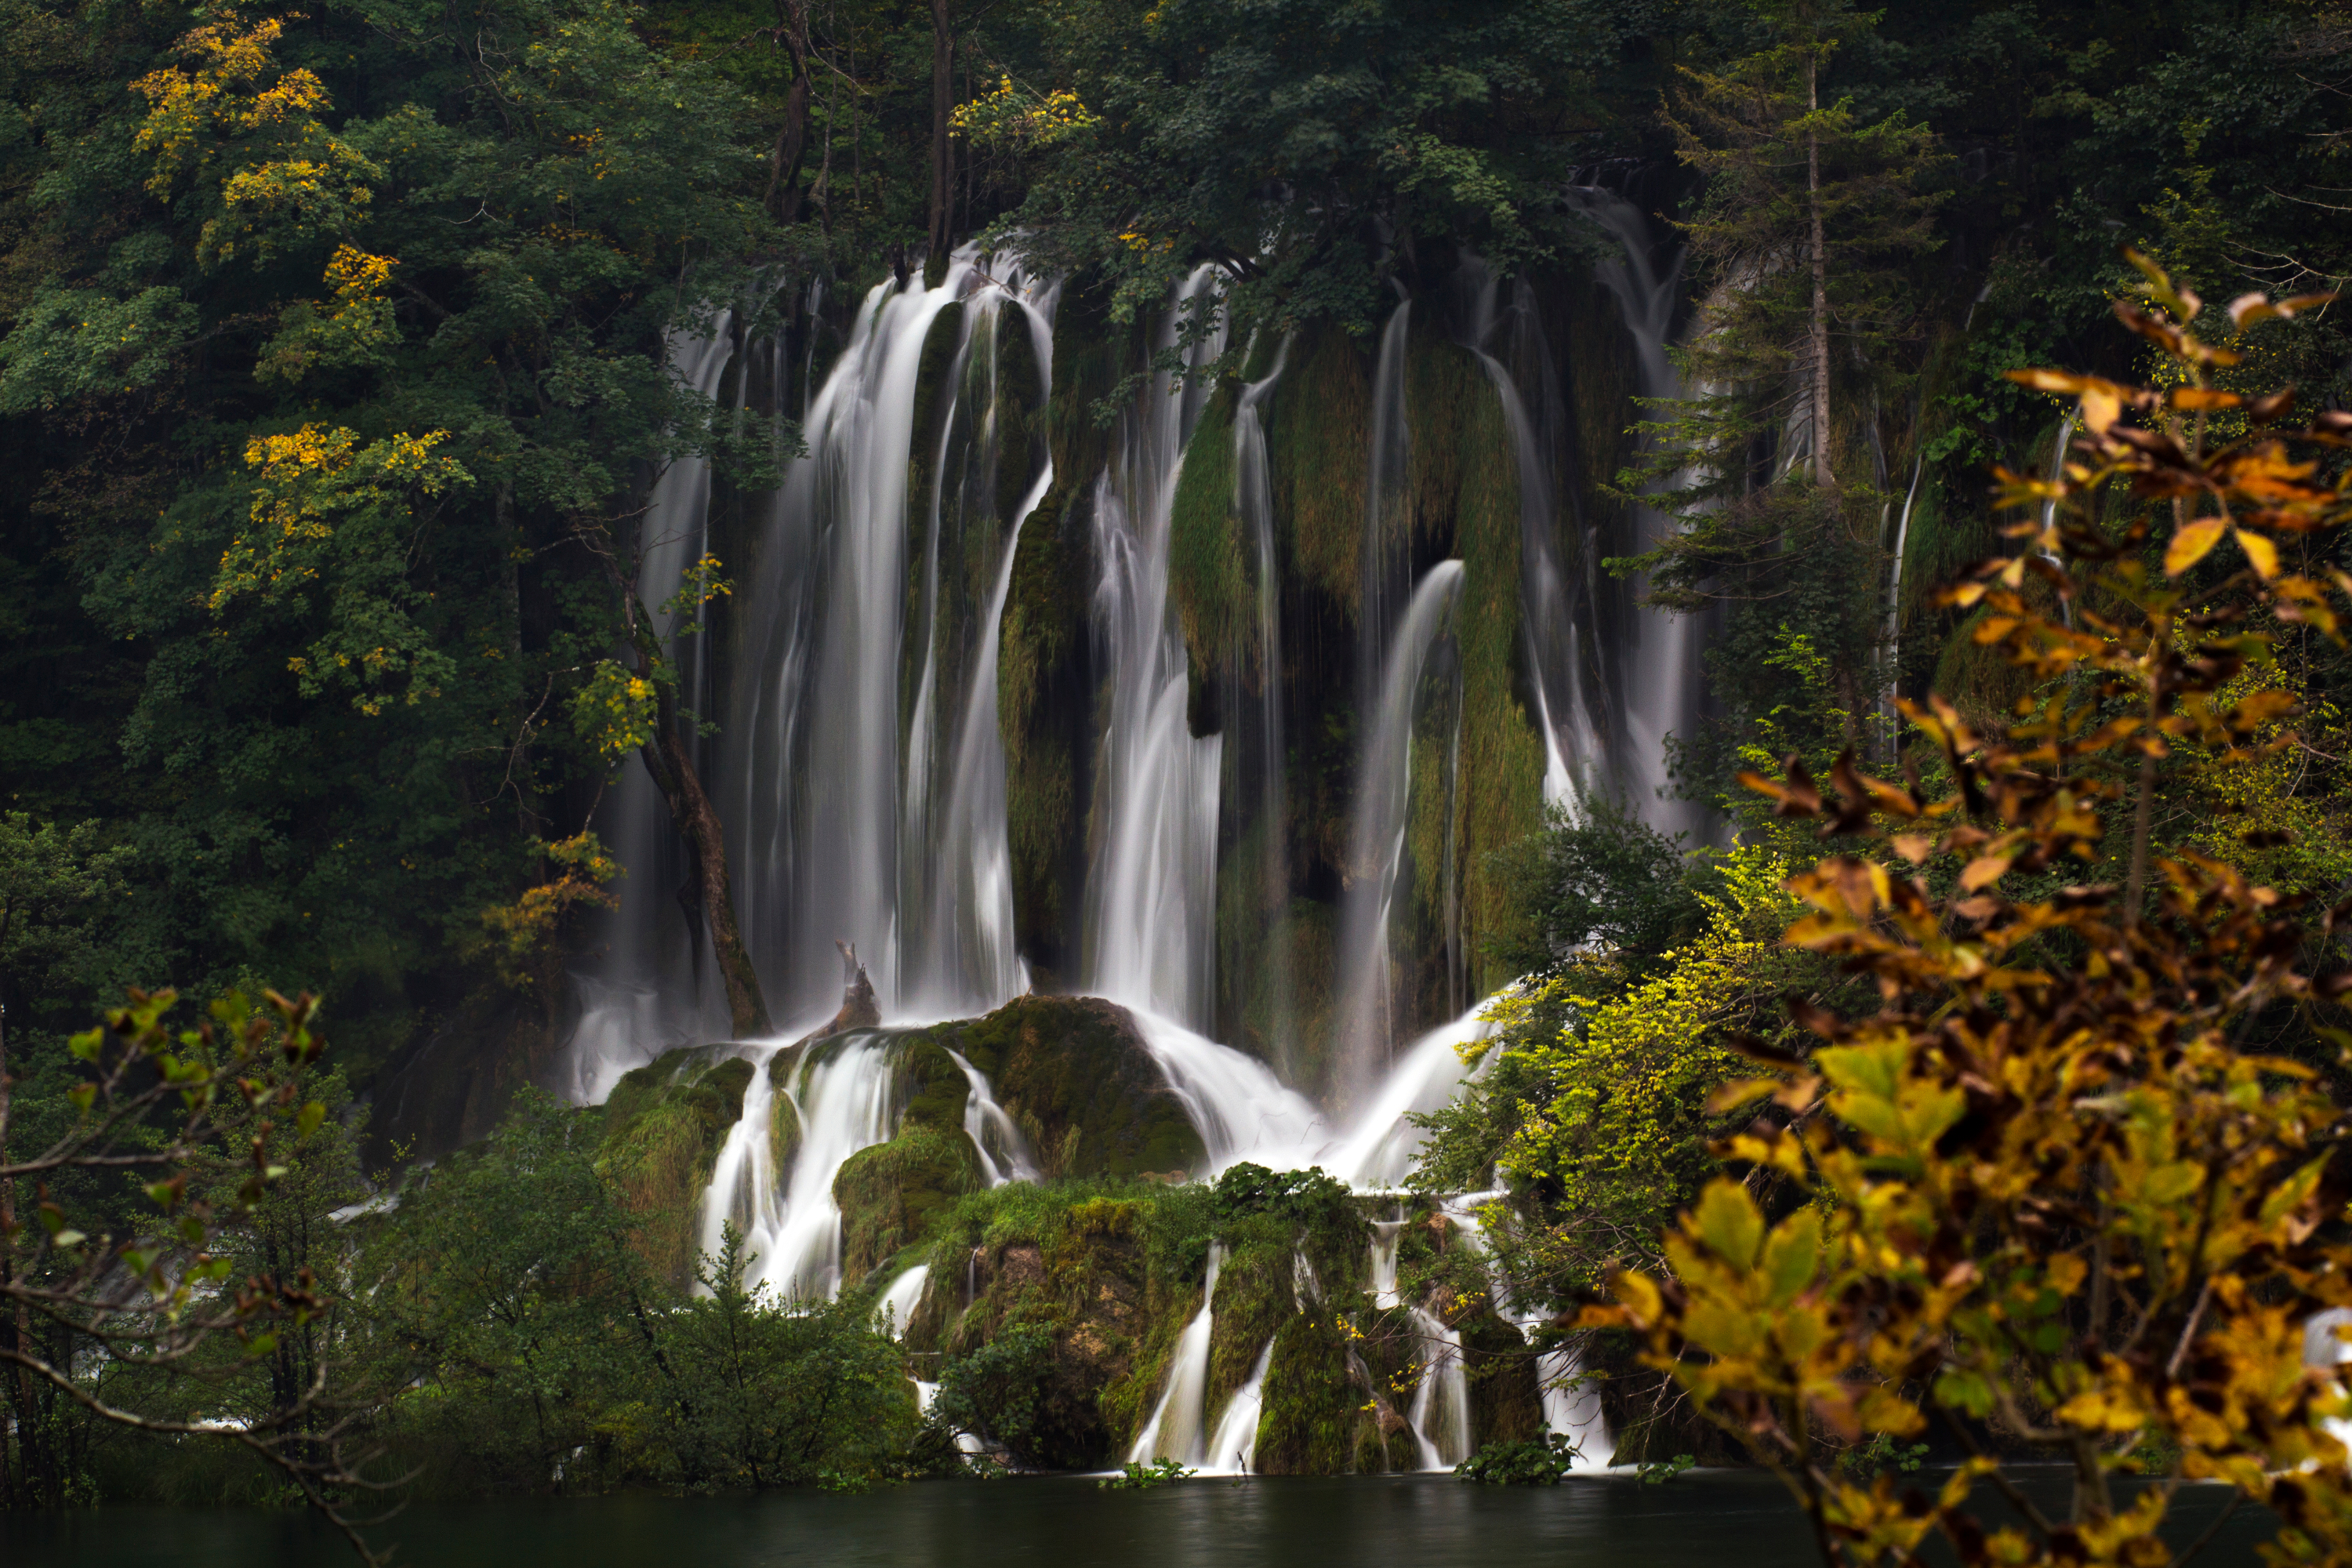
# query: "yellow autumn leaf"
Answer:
x=2261 y=552
x=2190 y=543
x=1985 y=871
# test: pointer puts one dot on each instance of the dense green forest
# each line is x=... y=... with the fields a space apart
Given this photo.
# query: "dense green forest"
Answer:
x=336 y=384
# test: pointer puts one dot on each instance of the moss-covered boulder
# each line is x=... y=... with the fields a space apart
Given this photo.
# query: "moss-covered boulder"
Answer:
x=1313 y=1407
x=663 y=1124
x=892 y=1193
x=1075 y=1076
x=1078 y=1267
x=1255 y=1296
x=1506 y=1395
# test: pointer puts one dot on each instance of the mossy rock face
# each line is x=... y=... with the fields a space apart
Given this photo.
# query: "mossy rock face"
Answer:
x=1077 y=1078
x=784 y=1133
x=927 y=1086
x=1085 y=1278
x=1505 y=1396
x=663 y=1124
x=1255 y=1296
x=891 y=1193
x=1312 y=1408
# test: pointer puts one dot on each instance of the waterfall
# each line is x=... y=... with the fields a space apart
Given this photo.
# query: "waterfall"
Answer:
x=1378 y=1153
x=1551 y=623
x=1439 y=1414
x=1895 y=609
x=1377 y=843
x=1254 y=504
x=1386 y=569
x=1151 y=938
x=840 y=1090
x=1572 y=1408
x=654 y=988
x=1005 y=1154
x=1387 y=1236
x=2050 y=507
x=1659 y=659
x=1235 y=1446
x=1242 y=1110
x=897 y=1301
x=1174 y=1431
x=852 y=816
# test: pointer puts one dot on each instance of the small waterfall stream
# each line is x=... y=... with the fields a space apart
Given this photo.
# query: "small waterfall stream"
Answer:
x=898 y=1297
x=1659 y=659
x=1005 y=1154
x=1235 y=1445
x=841 y=1093
x=1441 y=1400
x=1377 y=847
x=1176 y=1430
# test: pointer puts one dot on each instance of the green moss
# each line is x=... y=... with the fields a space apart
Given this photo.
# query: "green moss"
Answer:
x=1318 y=433
x=1310 y=1414
x=1077 y=1079
x=1498 y=795
x=1019 y=410
x=664 y=1124
x=1208 y=579
x=1506 y=1397
x=892 y=1194
x=1254 y=1298
x=928 y=1086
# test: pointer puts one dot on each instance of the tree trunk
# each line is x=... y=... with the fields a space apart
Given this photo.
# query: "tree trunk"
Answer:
x=1819 y=336
x=942 y=164
x=791 y=140
x=690 y=812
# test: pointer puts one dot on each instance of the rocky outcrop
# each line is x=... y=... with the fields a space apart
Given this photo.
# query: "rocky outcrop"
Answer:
x=892 y=1195
x=1077 y=1079
x=663 y=1128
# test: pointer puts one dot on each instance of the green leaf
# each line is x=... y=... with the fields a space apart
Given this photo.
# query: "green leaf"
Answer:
x=1792 y=1255
x=1729 y=1223
x=308 y=1121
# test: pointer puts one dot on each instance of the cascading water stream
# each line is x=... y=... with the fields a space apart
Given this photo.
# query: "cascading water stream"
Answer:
x=1235 y=1445
x=1550 y=623
x=1439 y=1414
x=1386 y=572
x=840 y=1093
x=1377 y=844
x=1005 y=1154
x=650 y=991
x=897 y=1299
x=837 y=832
x=1152 y=888
x=1254 y=504
x=1175 y=1430
x=1659 y=658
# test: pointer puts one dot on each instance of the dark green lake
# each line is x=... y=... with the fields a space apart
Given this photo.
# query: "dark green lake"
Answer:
x=1705 y=1519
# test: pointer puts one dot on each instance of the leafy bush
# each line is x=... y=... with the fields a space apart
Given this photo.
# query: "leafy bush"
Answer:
x=994 y=1393
x=1135 y=1477
x=1530 y=1462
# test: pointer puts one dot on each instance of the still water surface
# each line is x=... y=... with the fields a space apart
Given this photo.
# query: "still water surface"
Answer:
x=1703 y=1519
